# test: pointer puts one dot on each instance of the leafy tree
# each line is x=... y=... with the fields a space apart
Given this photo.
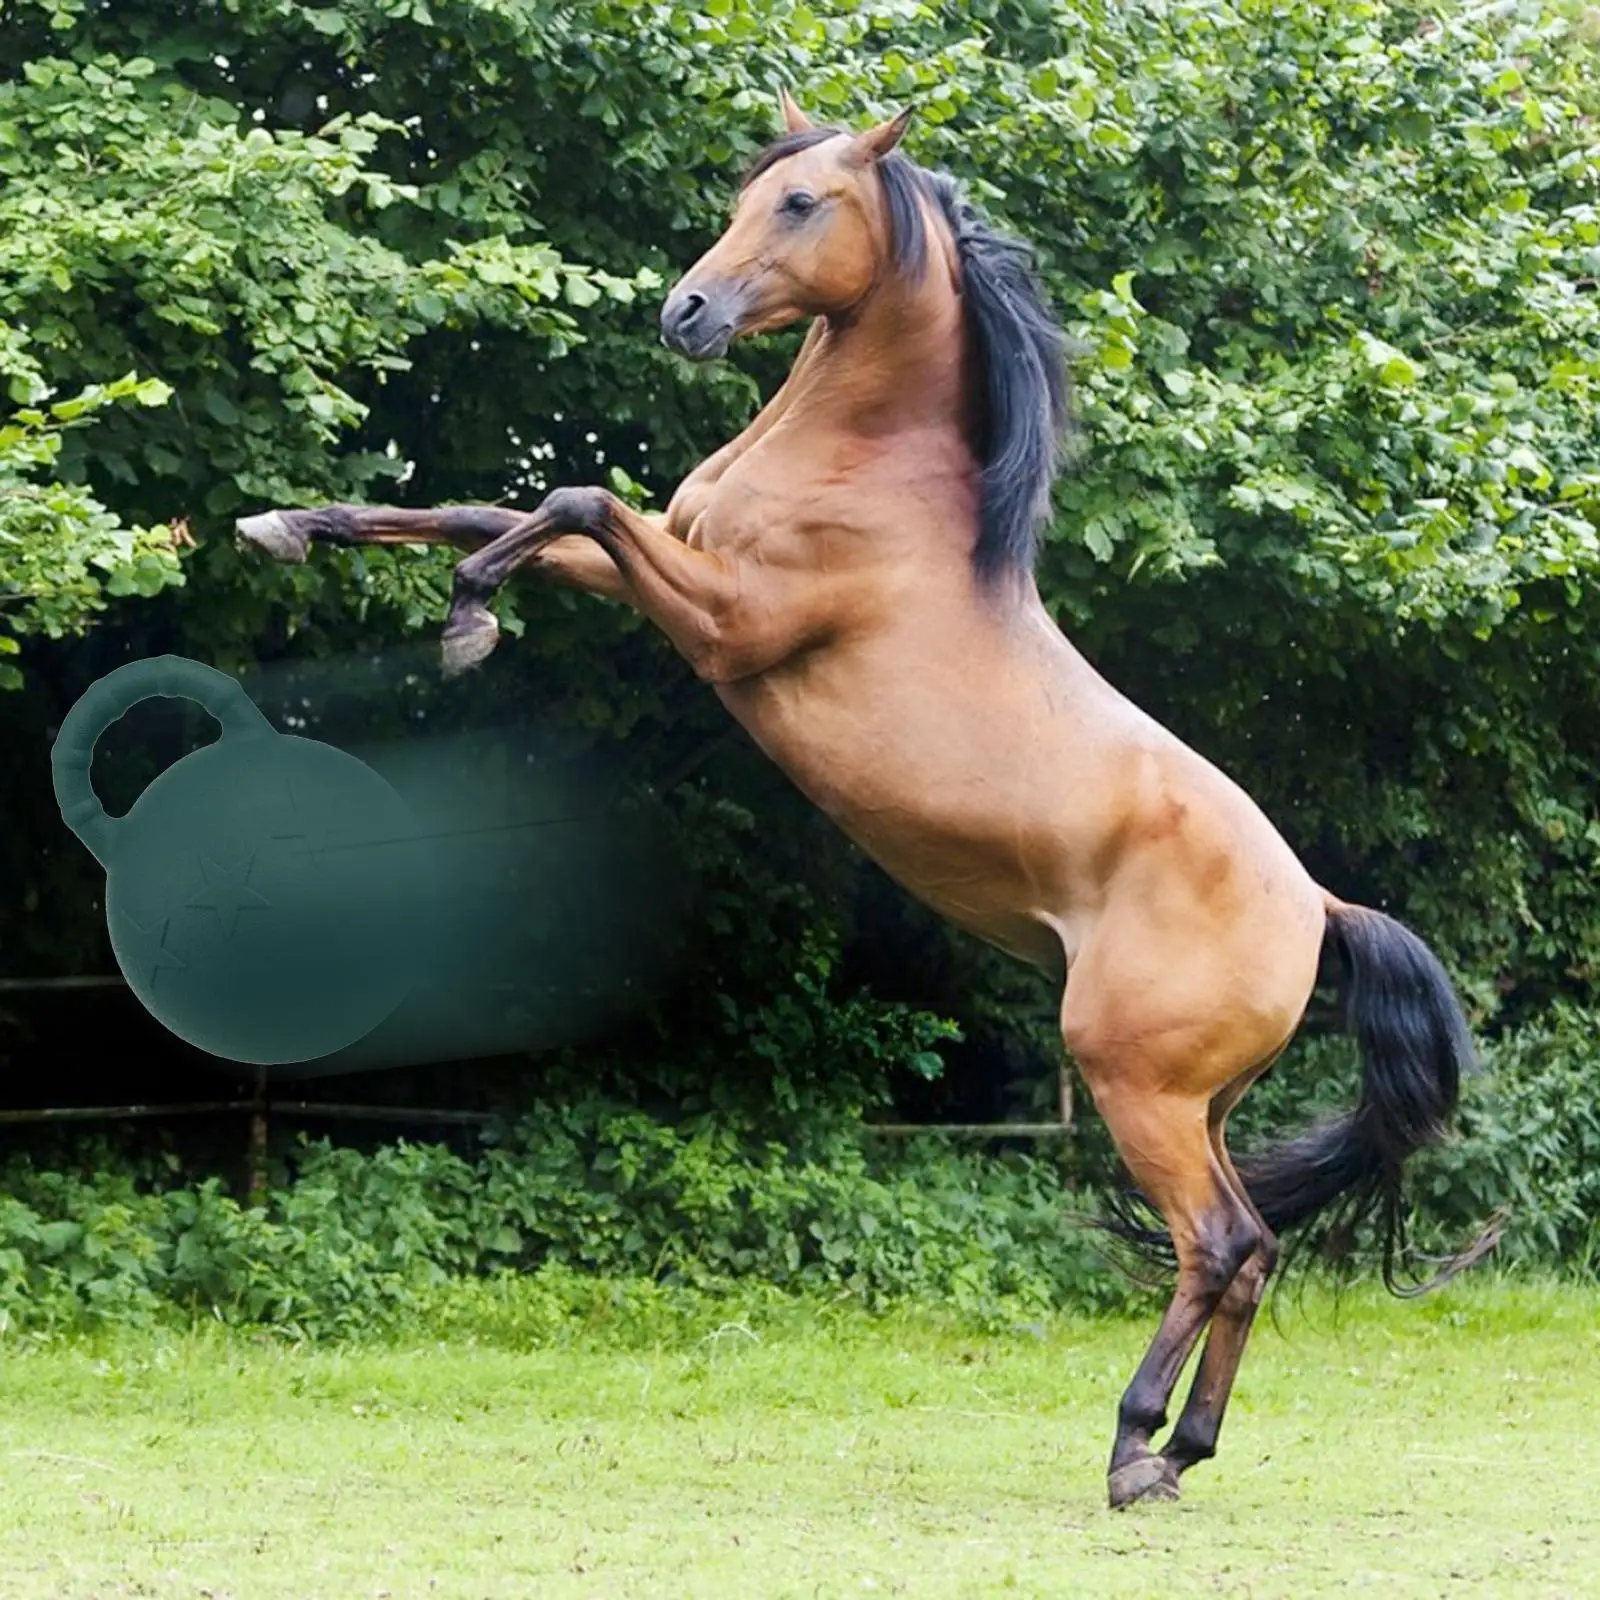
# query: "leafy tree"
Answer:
x=62 y=553
x=1332 y=271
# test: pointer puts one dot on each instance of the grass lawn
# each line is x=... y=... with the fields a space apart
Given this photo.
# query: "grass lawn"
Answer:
x=1441 y=1448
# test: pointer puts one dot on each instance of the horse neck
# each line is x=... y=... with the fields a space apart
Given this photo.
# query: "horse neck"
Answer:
x=898 y=360
x=902 y=362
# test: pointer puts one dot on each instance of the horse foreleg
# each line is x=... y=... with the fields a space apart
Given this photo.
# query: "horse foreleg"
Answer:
x=554 y=542
x=727 y=623
x=287 y=535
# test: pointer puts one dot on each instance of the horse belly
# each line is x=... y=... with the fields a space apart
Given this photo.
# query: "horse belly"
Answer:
x=959 y=816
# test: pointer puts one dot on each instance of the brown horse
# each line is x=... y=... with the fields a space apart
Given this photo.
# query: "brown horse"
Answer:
x=854 y=575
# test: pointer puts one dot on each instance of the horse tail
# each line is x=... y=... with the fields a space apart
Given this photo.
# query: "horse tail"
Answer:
x=1415 y=1047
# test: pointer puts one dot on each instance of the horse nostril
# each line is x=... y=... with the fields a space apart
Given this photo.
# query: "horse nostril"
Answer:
x=693 y=304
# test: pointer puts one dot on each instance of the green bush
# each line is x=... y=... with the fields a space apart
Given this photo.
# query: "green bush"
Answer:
x=615 y=1211
x=1530 y=1142
x=357 y=1243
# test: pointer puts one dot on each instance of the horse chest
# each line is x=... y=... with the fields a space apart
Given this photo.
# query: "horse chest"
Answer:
x=763 y=531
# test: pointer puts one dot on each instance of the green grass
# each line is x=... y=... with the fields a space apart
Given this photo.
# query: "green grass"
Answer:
x=1440 y=1448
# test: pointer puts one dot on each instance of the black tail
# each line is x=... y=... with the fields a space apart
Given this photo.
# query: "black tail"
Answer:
x=1414 y=1042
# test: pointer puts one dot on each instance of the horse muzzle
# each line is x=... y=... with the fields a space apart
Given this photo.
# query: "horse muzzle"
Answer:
x=701 y=323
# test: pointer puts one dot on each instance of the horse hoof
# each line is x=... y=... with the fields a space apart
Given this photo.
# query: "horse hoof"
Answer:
x=270 y=531
x=1146 y=1479
x=464 y=645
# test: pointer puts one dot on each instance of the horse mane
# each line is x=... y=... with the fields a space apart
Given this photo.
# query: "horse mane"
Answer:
x=1021 y=350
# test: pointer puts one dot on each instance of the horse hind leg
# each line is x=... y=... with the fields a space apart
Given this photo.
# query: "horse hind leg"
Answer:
x=1194 y=1439
x=1164 y=1138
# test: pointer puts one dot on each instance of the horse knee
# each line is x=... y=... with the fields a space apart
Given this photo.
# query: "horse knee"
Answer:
x=582 y=510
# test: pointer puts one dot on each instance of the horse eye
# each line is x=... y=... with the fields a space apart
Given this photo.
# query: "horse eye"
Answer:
x=798 y=203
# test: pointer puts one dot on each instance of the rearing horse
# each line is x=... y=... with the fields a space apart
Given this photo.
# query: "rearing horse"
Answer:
x=854 y=575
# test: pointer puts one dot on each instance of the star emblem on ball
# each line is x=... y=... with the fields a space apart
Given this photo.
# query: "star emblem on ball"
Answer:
x=148 y=942
x=227 y=892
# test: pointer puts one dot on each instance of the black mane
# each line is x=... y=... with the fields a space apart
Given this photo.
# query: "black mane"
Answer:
x=1020 y=348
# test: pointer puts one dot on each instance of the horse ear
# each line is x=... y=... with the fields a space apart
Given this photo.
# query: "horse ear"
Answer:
x=794 y=119
x=876 y=143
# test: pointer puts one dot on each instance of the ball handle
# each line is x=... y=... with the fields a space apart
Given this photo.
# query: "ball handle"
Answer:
x=109 y=698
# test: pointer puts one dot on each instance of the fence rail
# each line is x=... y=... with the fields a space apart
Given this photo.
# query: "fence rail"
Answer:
x=262 y=1106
